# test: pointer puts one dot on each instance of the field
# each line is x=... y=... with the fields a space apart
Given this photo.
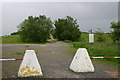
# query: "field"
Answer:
x=14 y=39
x=103 y=49
x=107 y=48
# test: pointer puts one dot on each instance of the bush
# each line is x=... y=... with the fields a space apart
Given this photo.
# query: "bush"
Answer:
x=100 y=37
x=14 y=33
x=67 y=29
x=79 y=45
x=116 y=31
x=35 y=29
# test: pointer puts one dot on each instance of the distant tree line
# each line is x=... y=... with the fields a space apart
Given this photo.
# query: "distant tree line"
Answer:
x=38 y=29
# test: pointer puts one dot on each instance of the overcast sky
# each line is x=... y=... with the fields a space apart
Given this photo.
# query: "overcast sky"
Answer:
x=89 y=15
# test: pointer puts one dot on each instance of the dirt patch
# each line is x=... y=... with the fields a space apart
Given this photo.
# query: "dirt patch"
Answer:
x=113 y=74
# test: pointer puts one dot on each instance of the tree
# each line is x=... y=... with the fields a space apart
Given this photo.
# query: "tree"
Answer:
x=67 y=29
x=100 y=37
x=35 y=29
x=116 y=31
x=14 y=33
x=54 y=33
x=90 y=31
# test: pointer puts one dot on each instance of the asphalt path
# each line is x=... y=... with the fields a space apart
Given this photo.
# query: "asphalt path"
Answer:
x=55 y=59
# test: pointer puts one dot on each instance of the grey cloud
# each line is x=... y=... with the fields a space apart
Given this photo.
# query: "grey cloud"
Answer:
x=89 y=15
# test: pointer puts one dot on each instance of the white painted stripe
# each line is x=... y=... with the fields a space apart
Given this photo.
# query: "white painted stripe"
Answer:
x=116 y=57
x=105 y=57
x=6 y=59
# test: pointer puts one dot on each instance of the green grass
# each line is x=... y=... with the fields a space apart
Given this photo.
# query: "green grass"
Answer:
x=0 y=39
x=15 y=39
x=19 y=53
x=97 y=49
x=68 y=41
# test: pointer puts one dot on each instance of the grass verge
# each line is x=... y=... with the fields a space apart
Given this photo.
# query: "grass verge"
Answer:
x=15 y=39
x=19 y=53
x=99 y=49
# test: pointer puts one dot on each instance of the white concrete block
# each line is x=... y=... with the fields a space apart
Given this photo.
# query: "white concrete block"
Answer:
x=30 y=65
x=82 y=62
x=91 y=38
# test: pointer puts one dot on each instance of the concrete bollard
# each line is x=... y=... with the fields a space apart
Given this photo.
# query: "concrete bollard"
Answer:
x=82 y=62
x=30 y=65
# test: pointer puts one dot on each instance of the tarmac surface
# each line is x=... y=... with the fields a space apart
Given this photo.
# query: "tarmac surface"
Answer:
x=55 y=59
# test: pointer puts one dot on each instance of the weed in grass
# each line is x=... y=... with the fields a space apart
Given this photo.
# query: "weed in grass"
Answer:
x=19 y=53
